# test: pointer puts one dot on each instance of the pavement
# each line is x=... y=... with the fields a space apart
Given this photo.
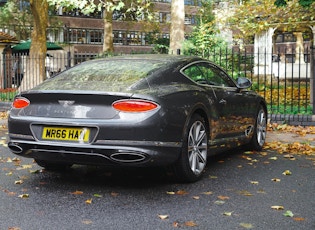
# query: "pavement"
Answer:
x=289 y=137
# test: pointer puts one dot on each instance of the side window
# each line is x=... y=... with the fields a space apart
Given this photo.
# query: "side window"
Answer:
x=205 y=73
x=195 y=73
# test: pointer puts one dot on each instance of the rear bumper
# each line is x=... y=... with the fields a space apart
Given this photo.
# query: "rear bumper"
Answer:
x=104 y=152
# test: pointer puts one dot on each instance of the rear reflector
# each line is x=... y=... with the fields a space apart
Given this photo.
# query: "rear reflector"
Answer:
x=20 y=103
x=134 y=105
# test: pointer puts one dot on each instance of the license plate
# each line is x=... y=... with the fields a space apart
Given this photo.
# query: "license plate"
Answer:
x=66 y=134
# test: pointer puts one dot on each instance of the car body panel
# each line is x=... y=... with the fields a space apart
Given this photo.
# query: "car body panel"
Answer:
x=68 y=103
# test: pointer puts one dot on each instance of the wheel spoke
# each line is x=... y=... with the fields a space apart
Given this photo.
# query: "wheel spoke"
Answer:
x=261 y=127
x=197 y=147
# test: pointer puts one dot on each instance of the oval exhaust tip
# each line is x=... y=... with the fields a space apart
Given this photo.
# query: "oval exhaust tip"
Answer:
x=15 y=148
x=128 y=157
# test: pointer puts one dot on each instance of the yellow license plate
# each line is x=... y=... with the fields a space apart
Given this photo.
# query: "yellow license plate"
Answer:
x=66 y=134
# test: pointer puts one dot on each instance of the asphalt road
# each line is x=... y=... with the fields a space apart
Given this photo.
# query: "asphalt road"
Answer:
x=237 y=192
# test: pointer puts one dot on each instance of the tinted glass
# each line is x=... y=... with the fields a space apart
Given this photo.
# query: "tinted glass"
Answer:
x=205 y=73
x=102 y=75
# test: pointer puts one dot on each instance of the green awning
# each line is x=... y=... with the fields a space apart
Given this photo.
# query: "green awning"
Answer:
x=25 y=47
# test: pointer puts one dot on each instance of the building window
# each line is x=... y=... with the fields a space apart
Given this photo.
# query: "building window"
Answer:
x=285 y=37
x=119 y=37
x=95 y=36
x=134 y=38
x=193 y=2
x=164 y=17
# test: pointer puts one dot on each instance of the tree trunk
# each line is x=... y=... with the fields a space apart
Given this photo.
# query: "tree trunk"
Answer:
x=177 y=33
x=108 y=46
x=35 y=66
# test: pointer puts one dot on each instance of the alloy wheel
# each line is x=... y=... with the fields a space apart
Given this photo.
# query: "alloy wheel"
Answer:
x=197 y=147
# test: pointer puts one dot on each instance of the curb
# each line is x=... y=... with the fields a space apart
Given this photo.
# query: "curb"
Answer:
x=293 y=119
x=5 y=106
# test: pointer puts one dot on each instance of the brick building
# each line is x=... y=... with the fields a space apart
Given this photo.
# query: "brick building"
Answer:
x=83 y=34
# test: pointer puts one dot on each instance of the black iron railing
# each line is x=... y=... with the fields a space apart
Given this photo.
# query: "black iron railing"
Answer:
x=285 y=83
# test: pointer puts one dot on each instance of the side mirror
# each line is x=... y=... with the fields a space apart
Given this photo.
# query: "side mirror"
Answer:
x=243 y=83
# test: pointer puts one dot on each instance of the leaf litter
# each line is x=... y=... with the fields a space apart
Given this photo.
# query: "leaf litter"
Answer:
x=305 y=147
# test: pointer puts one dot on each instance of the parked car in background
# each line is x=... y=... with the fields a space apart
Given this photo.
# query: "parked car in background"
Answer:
x=137 y=110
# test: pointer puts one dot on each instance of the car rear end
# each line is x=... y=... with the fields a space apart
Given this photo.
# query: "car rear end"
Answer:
x=79 y=117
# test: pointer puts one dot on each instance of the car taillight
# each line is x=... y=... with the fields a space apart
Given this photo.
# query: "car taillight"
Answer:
x=20 y=103
x=134 y=105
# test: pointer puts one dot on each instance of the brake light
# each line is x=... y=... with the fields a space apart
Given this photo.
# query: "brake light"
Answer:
x=20 y=103
x=134 y=105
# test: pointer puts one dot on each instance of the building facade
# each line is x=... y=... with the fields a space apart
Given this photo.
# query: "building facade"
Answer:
x=84 y=34
x=81 y=33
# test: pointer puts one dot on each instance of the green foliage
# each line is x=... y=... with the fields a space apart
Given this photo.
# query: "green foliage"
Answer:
x=12 y=13
x=251 y=18
x=7 y=94
x=306 y=3
x=280 y=2
x=130 y=9
x=161 y=45
x=205 y=37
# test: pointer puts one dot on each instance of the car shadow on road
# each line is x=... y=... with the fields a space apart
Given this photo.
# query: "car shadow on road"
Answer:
x=130 y=176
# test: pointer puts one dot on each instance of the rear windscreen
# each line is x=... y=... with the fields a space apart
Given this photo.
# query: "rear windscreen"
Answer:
x=102 y=75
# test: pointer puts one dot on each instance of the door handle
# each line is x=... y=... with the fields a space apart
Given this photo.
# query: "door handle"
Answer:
x=222 y=102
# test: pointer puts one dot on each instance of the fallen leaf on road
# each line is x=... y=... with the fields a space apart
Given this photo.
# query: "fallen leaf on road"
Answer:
x=254 y=182
x=223 y=197
x=18 y=182
x=190 y=224
x=87 y=222
x=287 y=172
x=245 y=193
x=246 y=225
x=219 y=202
x=14 y=228
x=181 y=192
x=273 y=158
x=98 y=195
x=277 y=207
x=170 y=193
x=299 y=219
x=163 y=217
x=288 y=213
x=261 y=191
x=9 y=192
x=77 y=193
x=290 y=156
x=207 y=193
x=227 y=213
x=275 y=179
x=89 y=201
x=24 y=196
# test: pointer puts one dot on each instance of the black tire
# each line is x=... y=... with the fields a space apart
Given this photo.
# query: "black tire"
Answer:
x=259 y=137
x=53 y=166
x=193 y=159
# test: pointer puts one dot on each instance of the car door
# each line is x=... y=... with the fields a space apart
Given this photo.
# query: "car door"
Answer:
x=236 y=108
x=230 y=107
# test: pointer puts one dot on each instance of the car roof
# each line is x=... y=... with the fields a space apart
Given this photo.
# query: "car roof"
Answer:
x=165 y=58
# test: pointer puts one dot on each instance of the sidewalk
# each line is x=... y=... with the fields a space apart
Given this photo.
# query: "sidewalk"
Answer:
x=287 y=137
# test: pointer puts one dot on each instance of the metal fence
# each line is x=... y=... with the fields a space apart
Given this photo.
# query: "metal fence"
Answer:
x=285 y=82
